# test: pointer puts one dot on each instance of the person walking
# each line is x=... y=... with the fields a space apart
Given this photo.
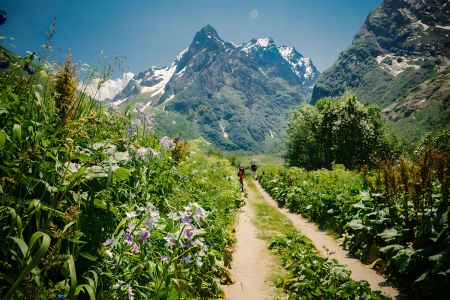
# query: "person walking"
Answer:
x=241 y=175
x=254 y=167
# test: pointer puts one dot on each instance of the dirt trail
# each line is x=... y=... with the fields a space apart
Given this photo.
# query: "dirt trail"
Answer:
x=323 y=241
x=252 y=262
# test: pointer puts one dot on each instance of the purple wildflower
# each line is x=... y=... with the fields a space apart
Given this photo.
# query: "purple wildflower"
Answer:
x=164 y=258
x=136 y=248
x=130 y=292
x=131 y=132
x=188 y=233
x=169 y=240
x=186 y=244
x=187 y=259
x=144 y=236
x=141 y=152
x=139 y=108
x=28 y=69
x=186 y=219
x=109 y=242
x=128 y=238
x=166 y=143
x=4 y=64
x=136 y=123
x=61 y=297
x=151 y=222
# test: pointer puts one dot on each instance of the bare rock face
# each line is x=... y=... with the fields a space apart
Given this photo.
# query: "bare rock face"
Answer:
x=400 y=60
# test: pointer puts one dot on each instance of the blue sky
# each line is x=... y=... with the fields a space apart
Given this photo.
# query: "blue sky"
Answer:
x=152 y=32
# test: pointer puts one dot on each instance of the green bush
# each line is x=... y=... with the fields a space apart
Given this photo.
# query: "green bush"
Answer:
x=394 y=217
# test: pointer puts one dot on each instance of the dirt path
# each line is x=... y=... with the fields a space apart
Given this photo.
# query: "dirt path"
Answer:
x=252 y=262
x=322 y=241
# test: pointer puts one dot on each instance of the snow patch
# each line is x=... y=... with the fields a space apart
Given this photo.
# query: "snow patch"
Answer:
x=118 y=102
x=159 y=88
x=168 y=99
x=263 y=42
x=285 y=52
x=443 y=27
x=264 y=73
x=180 y=55
x=109 y=89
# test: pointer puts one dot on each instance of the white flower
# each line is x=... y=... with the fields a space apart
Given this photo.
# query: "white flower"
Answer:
x=131 y=214
x=109 y=254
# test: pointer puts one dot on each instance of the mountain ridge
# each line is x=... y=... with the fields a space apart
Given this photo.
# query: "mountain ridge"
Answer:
x=222 y=86
x=400 y=60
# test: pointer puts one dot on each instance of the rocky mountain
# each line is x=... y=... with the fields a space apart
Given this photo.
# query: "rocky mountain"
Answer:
x=400 y=60
x=238 y=96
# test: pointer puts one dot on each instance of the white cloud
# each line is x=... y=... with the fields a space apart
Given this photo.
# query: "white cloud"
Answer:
x=253 y=14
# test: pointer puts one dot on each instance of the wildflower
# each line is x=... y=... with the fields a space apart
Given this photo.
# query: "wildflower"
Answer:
x=150 y=207
x=136 y=248
x=130 y=292
x=131 y=132
x=164 y=258
x=188 y=233
x=198 y=242
x=4 y=64
x=151 y=222
x=128 y=238
x=131 y=214
x=116 y=286
x=109 y=242
x=145 y=235
x=166 y=143
x=173 y=216
x=28 y=69
x=186 y=219
x=169 y=240
x=139 y=108
x=199 y=212
x=61 y=297
x=109 y=254
x=187 y=259
x=186 y=244
x=136 y=123
x=141 y=152
x=198 y=261
x=195 y=172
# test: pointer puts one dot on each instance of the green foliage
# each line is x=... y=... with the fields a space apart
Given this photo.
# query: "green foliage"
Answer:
x=312 y=276
x=67 y=187
x=394 y=217
x=340 y=131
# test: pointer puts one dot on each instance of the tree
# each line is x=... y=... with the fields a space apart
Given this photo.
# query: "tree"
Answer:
x=339 y=130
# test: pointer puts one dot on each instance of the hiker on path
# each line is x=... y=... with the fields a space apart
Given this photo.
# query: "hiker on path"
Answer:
x=254 y=167
x=241 y=174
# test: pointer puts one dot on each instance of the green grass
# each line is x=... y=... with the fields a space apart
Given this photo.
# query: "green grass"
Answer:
x=269 y=221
